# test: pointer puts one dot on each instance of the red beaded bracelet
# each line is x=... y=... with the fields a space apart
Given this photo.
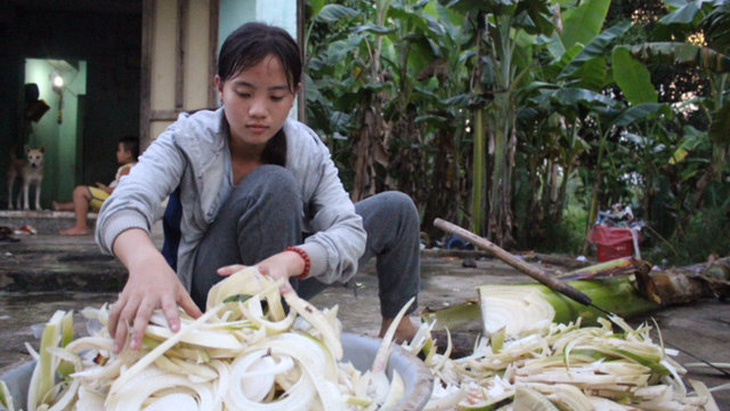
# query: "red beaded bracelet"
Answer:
x=307 y=262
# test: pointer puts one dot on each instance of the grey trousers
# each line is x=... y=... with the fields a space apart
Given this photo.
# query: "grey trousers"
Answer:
x=263 y=216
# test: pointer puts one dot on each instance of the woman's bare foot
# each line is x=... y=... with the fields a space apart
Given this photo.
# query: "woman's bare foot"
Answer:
x=75 y=231
x=405 y=331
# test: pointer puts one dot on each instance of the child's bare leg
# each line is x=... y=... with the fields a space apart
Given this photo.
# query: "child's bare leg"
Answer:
x=81 y=199
x=63 y=206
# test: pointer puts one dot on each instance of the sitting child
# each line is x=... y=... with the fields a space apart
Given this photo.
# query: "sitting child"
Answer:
x=87 y=197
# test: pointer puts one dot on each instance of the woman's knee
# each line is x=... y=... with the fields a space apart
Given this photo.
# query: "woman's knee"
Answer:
x=393 y=207
x=267 y=187
x=269 y=180
x=401 y=203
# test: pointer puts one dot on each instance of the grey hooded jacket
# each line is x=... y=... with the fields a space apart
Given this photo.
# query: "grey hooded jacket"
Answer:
x=190 y=153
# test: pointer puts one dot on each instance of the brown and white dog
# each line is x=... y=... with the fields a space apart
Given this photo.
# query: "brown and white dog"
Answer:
x=30 y=172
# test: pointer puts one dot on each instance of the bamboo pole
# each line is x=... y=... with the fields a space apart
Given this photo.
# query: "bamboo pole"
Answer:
x=527 y=268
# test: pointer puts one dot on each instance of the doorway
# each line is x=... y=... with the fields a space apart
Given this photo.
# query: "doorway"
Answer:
x=94 y=46
x=60 y=84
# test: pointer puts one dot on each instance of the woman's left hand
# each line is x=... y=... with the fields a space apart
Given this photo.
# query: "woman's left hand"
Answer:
x=280 y=267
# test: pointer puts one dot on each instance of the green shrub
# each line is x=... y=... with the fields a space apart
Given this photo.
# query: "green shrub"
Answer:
x=565 y=237
x=708 y=232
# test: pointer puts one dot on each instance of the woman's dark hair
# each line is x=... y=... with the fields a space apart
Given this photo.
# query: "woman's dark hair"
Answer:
x=251 y=43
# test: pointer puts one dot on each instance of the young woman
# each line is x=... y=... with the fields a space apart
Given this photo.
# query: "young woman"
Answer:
x=252 y=184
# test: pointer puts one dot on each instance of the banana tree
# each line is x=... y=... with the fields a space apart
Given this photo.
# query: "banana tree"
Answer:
x=429 y=67
x=709 y=53
x=503 y=60
x=423 y=58
x=348 y=65
x=561 y=102
x=333 y=77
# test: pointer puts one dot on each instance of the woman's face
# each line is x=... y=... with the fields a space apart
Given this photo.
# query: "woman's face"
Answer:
x=257 y=102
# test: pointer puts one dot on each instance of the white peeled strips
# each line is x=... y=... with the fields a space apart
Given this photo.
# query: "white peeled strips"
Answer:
x=583 y=378
x=704 y=393
x=111 y=370
x=604 y=404
x=298 y=397
x=565 y=396
x=527 y=399
x=42 y=380
x=252 y=376
x=381 y=357
x=244 y=281
x=520 y=311
x=199 y=373
x=201 y=338
x=100 y=314
x=255 y=313
x=446 y=398
x=221 y=384
x=67 y=397
x=177 y=402
x=273 y=365
x=248 y=282
x=6 y=400
x=396 y=391
x=90 y=343
x=317 y=320
x=315 y=361
x=378 y=385
x=67 y=394
x=88 y=399
x=158 y=351
x=153 y=380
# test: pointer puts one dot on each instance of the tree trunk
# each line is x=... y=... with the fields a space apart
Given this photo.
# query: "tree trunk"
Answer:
x=503 y=118
x=479 y=164
x=371 y=140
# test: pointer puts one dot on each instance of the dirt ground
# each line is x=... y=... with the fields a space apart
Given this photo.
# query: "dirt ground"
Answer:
x=73 y=275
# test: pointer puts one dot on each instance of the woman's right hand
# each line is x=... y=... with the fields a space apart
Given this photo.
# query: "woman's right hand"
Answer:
x=152 y=284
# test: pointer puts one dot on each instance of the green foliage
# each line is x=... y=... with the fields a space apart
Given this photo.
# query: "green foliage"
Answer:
x=633 y=78
x=596 y=103
x=583 y=23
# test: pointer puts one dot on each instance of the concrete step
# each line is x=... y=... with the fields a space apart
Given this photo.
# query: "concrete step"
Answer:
x=49 y=262
x=44 y=221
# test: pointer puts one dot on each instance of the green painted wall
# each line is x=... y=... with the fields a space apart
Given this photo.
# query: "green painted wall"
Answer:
x=234 y=13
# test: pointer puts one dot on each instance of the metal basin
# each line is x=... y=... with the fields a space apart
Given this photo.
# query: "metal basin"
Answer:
x=358 y=350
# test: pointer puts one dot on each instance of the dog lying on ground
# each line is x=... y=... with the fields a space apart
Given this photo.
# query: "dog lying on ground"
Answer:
x=30 y=172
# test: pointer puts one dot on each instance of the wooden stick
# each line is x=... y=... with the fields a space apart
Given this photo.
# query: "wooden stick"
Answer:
x=527 y=268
